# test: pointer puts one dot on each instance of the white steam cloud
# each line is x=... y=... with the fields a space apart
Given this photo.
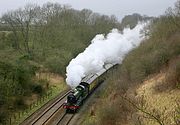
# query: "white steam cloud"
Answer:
x=103 y=49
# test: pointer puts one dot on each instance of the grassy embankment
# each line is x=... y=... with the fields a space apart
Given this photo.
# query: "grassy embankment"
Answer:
x=39 y=44
x=34 y=102
x=146 y=88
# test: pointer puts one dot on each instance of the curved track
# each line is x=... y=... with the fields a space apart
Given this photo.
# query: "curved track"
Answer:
x=48 y=113
x=54 y=114
x=65 y=119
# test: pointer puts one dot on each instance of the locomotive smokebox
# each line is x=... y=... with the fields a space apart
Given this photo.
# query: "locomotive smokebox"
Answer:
x=71 y=98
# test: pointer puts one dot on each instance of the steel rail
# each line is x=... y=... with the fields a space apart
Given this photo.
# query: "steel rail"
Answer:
x=67 y=121
x=50 y=107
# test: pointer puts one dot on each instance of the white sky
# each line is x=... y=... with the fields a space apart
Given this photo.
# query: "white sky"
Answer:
x=119 y=8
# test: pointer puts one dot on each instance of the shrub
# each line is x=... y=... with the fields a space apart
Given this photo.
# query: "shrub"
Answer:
x=3 y=116
x=19 y=103
x=173 y=75
x=37 y=88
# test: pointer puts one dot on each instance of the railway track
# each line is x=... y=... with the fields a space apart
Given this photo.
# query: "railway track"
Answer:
x=44 y=118
x=65 y=119
x=54 y=114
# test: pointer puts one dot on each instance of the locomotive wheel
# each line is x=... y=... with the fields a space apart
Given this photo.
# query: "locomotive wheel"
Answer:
x=82 y=102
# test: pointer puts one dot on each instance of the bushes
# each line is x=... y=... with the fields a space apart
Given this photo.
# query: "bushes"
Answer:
x=15 y=80
x=114 y=112
x=173 y=76
x=155 y=53
x=18 y=74
x=19 y=103
x=109 y=115
x=3 y=115
x=56 y=64
x=37 y=88
x=150 y=56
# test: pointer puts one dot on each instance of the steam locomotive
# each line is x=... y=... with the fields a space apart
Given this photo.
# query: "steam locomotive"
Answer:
x=78 y=95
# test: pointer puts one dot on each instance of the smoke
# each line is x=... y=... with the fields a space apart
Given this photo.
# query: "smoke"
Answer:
x=103 y=49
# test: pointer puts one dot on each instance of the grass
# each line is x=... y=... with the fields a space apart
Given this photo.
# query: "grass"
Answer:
x=162 y=101
x=51 y=93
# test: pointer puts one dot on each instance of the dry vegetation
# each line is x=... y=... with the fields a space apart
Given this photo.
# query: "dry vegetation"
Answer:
x=146 y=88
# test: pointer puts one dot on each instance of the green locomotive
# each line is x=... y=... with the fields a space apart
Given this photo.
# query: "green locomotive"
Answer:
x=76 y=98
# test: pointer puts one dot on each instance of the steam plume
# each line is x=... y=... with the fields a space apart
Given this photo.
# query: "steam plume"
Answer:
x=103 y=49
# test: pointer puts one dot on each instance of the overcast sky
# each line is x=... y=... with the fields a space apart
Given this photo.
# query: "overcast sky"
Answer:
x=119 y=8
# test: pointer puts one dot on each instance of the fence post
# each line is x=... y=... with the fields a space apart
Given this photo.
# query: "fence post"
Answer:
x=19 y=114
x=10 y=121
x=14 y=116
x=25 y=111
x=36 y=103
x=30 y=107
x=41 y=100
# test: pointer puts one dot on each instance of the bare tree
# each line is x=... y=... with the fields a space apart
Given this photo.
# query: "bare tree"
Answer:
x=174 y=13
x=7 y=18
x=152 y=115
x=20 y=22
